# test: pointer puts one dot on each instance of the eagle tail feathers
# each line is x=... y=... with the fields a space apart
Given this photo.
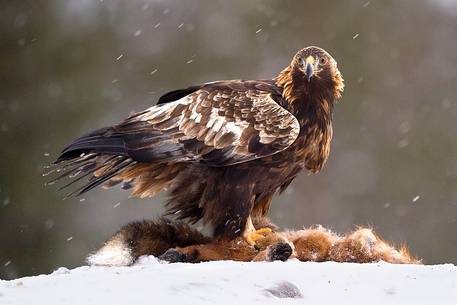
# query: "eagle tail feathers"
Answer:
x=101 y=141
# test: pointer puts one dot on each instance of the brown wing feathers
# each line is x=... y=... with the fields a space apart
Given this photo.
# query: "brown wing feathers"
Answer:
x=216 y=124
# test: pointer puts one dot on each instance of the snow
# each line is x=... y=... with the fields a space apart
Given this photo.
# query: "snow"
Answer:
x=227 y=282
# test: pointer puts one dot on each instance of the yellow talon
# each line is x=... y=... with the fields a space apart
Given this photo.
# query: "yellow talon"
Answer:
x=264 y=230
x=252 y=237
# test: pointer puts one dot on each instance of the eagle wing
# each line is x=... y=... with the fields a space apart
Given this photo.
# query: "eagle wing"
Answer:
x=217 y=125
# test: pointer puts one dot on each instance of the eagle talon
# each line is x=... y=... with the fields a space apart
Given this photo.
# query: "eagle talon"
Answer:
x=252 y=237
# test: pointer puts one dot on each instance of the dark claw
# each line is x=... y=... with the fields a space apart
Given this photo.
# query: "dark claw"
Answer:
x=279 y=252
x=174 y=256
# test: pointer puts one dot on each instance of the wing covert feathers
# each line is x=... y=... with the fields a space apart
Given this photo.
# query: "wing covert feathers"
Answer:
x=217 y=124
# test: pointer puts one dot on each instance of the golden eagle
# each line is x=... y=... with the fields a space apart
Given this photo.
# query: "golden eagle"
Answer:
x=222 y=149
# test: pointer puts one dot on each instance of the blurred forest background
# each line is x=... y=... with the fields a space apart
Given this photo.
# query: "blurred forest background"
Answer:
x=67 y=67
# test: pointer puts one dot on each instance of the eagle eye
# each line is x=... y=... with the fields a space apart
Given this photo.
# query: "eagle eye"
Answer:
x=323 y=60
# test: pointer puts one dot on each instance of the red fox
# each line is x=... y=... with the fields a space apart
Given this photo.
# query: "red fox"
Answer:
x=176 y=241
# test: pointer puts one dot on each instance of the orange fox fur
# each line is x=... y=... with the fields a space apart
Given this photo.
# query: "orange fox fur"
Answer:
x=313 y=244
x=175 y=241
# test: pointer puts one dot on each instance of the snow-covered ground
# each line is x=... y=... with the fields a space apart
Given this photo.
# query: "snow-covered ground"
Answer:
x=225 y=282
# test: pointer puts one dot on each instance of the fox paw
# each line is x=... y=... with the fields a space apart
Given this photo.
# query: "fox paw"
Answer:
x=279 y=252
x=174 y=256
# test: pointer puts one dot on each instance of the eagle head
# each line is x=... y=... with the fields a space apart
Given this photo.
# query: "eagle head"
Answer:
x=312 y=70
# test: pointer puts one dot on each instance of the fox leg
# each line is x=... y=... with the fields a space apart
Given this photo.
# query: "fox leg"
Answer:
x=145 y=238
x=237 y=250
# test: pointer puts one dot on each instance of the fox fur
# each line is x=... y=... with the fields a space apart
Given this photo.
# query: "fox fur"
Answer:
x=176 y=241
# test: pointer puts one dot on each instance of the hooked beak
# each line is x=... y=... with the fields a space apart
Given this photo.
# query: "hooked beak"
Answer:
x=309 y=68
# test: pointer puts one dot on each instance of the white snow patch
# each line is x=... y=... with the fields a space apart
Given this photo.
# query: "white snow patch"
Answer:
x=227 y=282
